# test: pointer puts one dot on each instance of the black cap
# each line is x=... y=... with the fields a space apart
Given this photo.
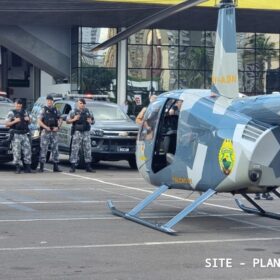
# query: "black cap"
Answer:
x=19 y=101
x=49 y=97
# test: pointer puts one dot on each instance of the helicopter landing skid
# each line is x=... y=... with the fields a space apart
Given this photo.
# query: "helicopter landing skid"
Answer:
x=132 y=215
x=258 y=210
x=276 y=193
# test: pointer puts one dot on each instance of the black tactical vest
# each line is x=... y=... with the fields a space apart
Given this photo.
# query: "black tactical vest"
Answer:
x=22 y=126
x=82 y=124
x=50 y=117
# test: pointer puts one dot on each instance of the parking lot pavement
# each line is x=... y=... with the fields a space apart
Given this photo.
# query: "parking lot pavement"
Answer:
x=57 y=226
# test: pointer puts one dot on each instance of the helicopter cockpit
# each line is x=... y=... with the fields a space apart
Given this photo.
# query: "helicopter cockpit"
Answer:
x=160 y=127
x=166 y=140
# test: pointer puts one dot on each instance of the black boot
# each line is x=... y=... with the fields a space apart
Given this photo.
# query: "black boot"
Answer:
x=258 y=196
x=18 y=169
x=72 y=168
x=55 y=167
x=27 y=168
x=41 y=167
x=88 y=168
x=267 y=196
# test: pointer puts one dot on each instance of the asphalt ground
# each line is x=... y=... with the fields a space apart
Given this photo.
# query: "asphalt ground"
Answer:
x=57 y=226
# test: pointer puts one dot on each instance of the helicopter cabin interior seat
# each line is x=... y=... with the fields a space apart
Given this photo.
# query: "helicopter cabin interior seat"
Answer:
x=166 y=137
x=170 y=137
x=169 y=145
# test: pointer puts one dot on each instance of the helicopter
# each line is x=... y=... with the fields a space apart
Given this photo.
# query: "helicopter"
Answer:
x=208 y=140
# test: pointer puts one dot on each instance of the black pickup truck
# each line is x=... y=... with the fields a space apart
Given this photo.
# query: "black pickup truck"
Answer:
x=6 y=154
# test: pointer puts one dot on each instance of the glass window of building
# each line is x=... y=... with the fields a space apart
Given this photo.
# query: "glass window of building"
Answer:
x=191 y=79
x=93 y=72
x=139 y=56
x=142 y=37
x=164 y=80
x=247 y=82
x=165 y=37
x=184 y=59
x=165 y=57
x=192 y=38
x=245 y=40
x=192 y=58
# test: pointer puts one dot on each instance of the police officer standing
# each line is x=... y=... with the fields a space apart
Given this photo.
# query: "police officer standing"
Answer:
x=50 y=121
x=18 y=120
x=81 y=120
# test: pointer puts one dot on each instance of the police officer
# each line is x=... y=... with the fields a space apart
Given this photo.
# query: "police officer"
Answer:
x=81 y=120
x=18 y=120
x=49 y=121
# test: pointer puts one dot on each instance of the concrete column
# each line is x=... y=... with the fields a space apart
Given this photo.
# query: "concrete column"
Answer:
x=122 y=71
x=4 y=69
x=36 y=83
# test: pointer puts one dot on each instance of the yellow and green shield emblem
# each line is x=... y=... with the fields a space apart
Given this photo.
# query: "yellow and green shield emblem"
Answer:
x=226 y=156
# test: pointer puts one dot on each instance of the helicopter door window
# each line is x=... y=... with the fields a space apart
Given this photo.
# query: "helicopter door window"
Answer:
x=166 y=139
x=150 y=119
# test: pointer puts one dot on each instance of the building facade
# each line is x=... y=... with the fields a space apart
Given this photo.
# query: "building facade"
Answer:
x=55 y=54
x=159 y=60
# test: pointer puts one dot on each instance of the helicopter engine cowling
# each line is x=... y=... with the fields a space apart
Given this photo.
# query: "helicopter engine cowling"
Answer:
x=260 y=159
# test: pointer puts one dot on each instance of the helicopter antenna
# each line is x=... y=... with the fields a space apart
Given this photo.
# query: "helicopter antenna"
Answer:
x=148 y=21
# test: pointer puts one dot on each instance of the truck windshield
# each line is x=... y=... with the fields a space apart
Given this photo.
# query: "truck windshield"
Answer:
x=107 y=113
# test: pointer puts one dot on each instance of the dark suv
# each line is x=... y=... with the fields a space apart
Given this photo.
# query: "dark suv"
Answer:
x=6 y=154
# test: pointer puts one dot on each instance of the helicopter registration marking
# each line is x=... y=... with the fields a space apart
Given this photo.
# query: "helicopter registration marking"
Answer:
x=228 y=79
x=181 y=180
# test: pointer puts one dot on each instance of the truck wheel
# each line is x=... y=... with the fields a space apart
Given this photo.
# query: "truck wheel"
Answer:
x=132 y=163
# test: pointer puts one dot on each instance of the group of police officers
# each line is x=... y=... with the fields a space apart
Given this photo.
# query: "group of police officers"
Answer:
x=49 y=121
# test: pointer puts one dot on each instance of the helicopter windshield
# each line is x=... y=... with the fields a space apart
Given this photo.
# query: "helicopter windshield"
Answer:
x=150 y=121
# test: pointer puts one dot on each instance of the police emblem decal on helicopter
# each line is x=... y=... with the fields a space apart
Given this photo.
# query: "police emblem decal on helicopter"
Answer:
x=226 y=156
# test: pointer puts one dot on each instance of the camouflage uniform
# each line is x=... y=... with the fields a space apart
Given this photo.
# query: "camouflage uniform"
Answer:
x=48 y=137
x=20 y=143
x=80 y=137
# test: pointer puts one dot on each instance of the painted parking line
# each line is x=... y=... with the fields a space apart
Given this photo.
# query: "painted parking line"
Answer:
x=146 y=191
x=140 y=244
x=59 y=202
x=111 y=217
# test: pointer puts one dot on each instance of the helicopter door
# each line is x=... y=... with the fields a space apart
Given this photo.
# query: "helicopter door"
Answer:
x=146 y=138
x=166 y=138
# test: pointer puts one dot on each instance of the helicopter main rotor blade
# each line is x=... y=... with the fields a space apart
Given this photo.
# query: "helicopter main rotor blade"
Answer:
x=147 y=22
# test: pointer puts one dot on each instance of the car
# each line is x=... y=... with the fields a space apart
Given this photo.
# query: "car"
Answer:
x=6 y=154
x=113 y=135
